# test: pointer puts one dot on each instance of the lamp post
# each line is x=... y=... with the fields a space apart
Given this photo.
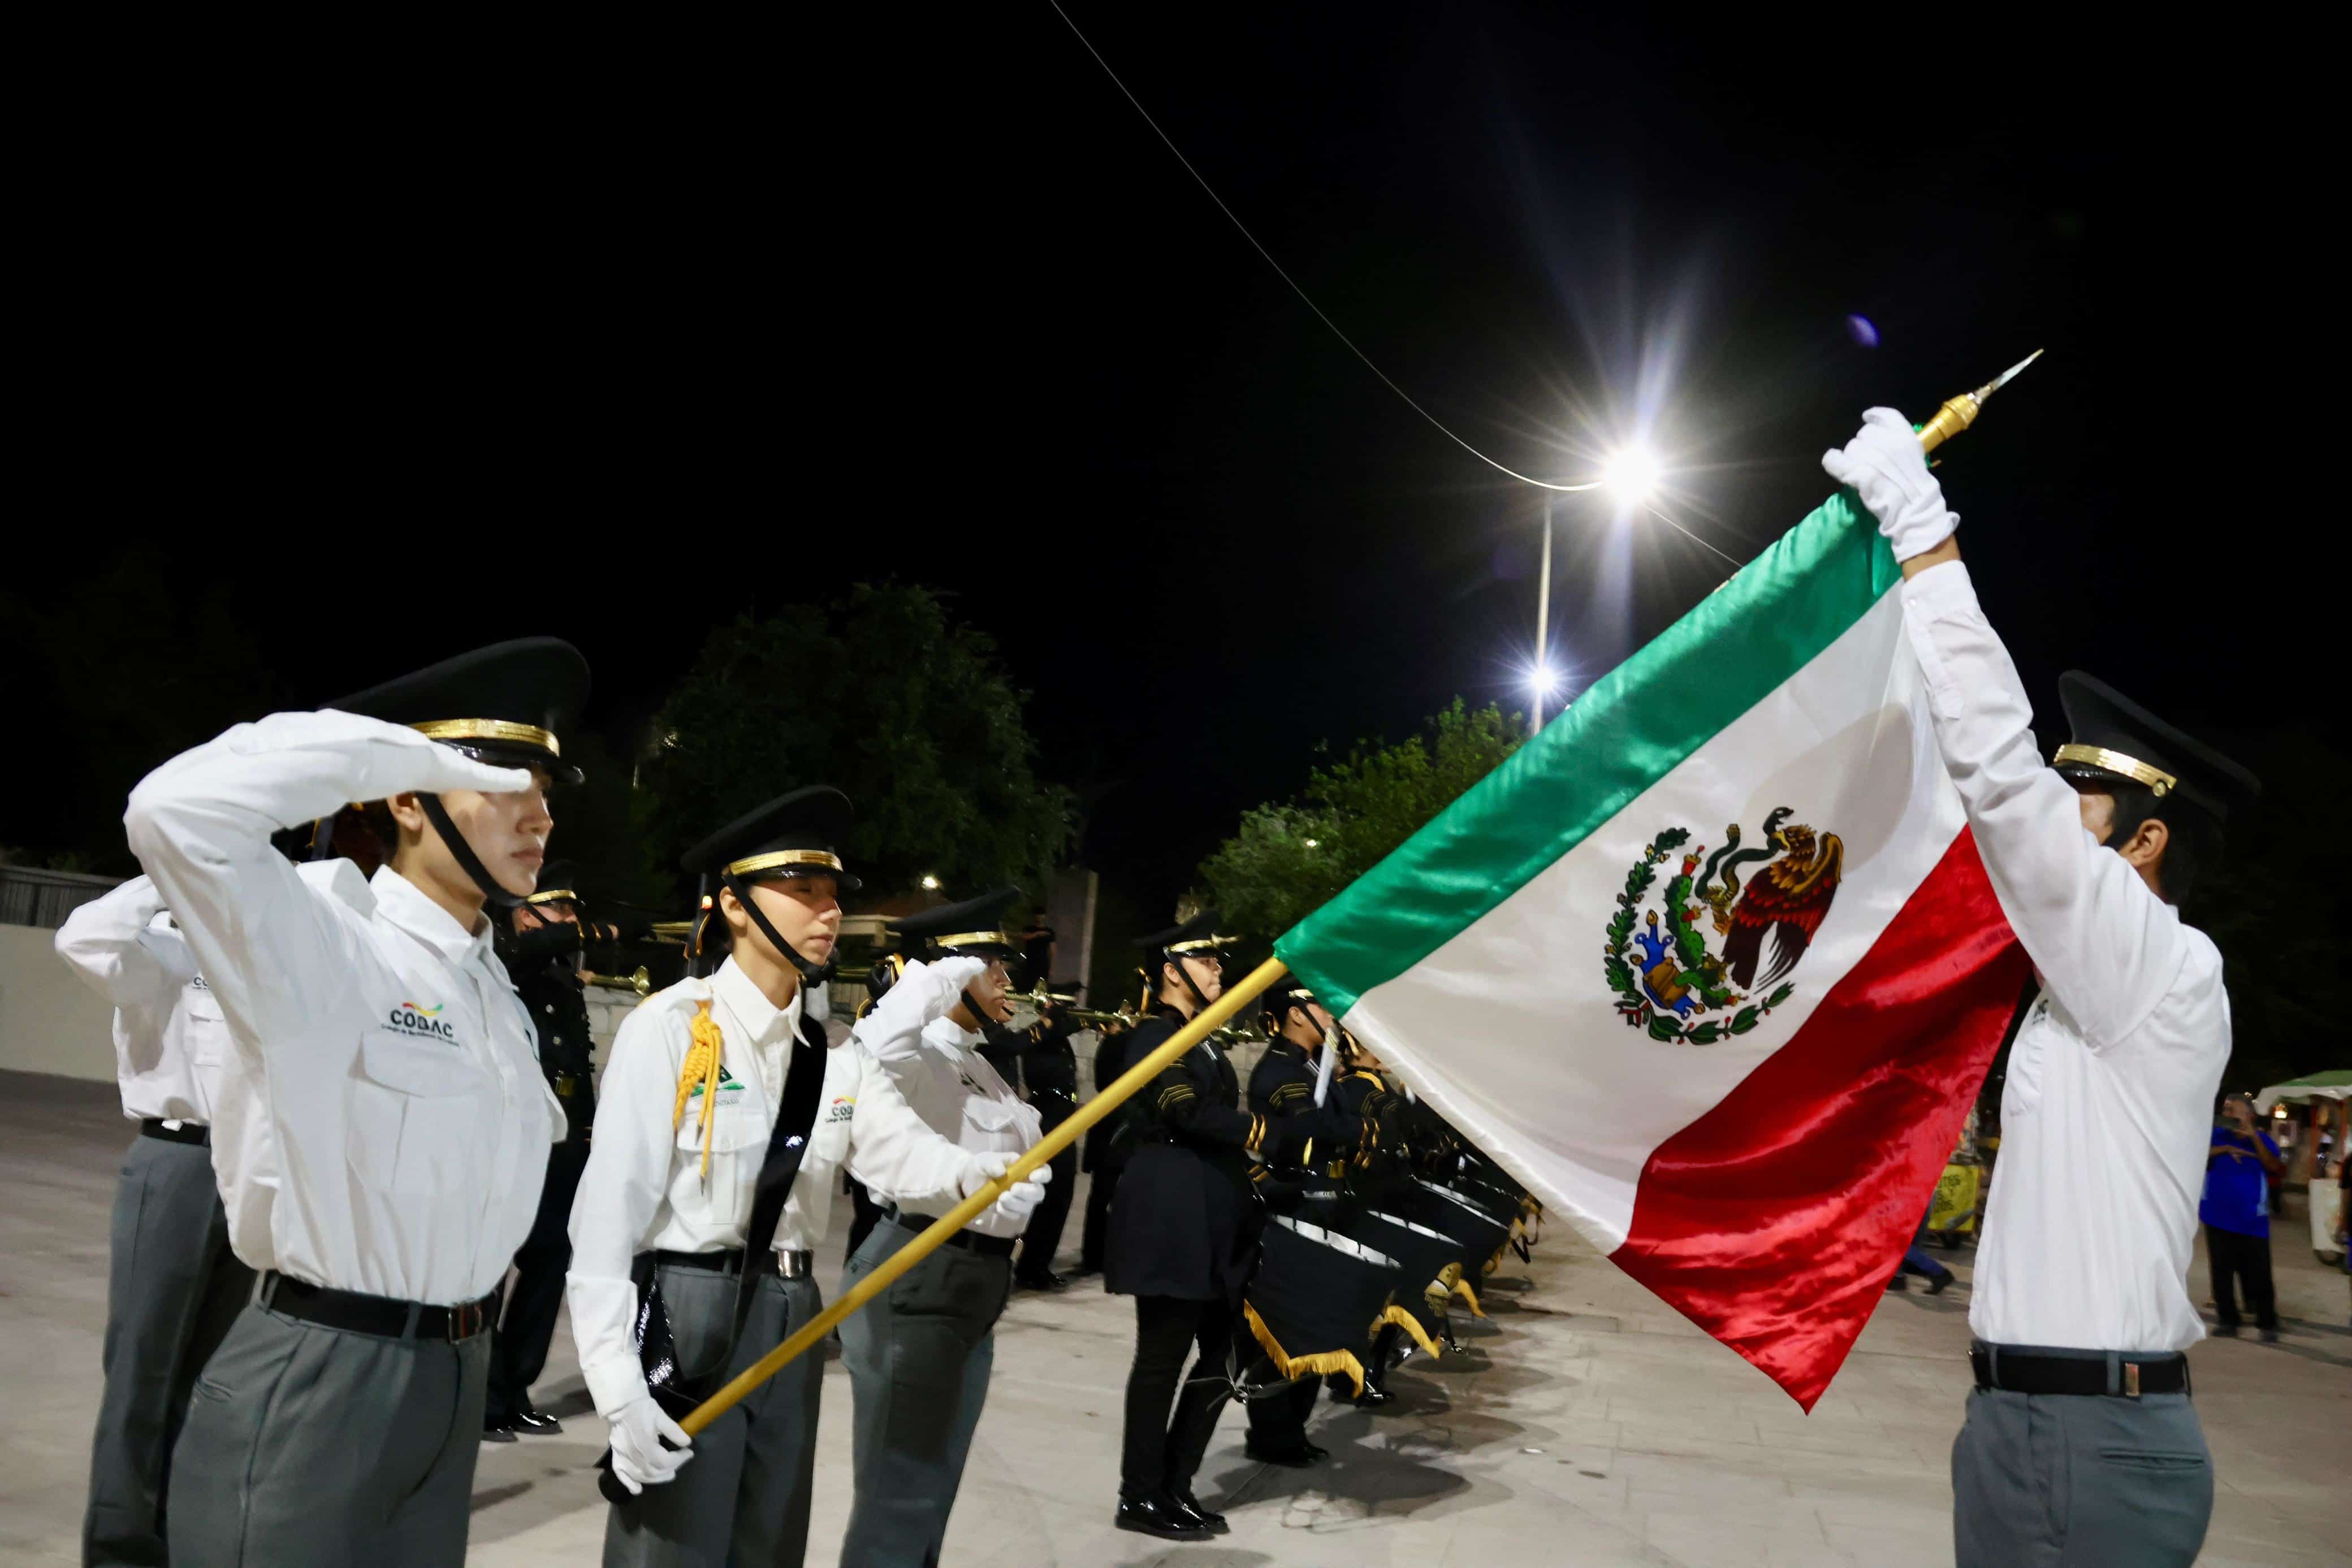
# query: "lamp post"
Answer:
x=1543 y=629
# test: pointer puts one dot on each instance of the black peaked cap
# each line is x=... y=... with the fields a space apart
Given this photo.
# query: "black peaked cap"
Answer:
x=507 y=704
x=1202 y=929
x=559 y=882
x=2115 y=739
x=802 y=830
x=980 y=921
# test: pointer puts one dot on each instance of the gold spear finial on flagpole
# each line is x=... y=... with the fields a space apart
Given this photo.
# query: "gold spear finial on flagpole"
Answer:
x=1962 y=412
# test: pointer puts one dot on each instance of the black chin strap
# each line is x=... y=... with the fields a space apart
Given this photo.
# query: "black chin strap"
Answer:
x=811 y=974
x=463 y=852
x=1200 y=1003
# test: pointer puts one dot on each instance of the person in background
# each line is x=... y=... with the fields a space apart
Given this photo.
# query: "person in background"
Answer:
x=2239 y=1170
x=1919 y=1262
x=1104 y=1154
x=1048 y=1071
x=540 y=941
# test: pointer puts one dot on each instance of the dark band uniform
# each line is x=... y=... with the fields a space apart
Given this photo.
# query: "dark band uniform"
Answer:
x=1184 y=1237
x=544 y=962
x=1046 y=1070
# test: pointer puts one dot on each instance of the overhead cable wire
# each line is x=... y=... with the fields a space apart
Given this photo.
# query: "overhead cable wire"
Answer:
x=1304 y=297
x=1662 y=517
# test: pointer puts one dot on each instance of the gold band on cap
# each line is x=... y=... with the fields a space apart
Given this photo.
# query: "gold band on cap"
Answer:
x=2131 y=767
x=554 y=895
x=1200 y=941
x=975 y=939
x=488 y=730
x=823 y=859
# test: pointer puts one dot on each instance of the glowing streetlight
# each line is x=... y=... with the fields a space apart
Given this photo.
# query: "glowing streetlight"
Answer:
x=1632 y=475
x=1312 y=842
x=931 y=884
x=1544 y=679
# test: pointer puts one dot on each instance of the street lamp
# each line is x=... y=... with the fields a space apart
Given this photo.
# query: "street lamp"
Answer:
x=1632 y=475
x=930 y=884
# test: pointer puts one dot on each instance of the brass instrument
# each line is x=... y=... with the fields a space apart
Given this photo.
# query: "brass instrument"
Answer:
x=640 y=982
x=1041 y=999
x=669 y=930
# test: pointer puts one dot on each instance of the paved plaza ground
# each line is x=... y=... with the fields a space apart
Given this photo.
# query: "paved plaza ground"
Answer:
x=1587 y=1425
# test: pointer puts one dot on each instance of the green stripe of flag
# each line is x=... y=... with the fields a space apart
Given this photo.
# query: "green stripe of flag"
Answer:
x=1630 y=728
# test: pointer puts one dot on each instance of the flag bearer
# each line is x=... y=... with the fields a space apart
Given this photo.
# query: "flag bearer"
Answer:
x=1183 y=1238
x=2081 y=1445
x=919 y=1357
x=722 y=1123
x=395 y=1074
x=540 y=941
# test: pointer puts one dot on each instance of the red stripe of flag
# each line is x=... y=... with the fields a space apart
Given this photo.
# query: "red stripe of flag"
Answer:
x=1775 y=1220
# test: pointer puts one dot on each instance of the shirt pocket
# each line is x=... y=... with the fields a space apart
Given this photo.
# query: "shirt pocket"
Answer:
x=738 y=1142
x=997 y=1126
x=416 y=1115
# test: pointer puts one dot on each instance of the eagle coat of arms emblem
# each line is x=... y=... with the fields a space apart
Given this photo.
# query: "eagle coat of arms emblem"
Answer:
x=1762 y=905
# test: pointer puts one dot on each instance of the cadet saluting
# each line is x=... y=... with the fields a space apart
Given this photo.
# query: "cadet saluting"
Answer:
x=2081 y=1444
x=722 y=1121
x=919 y=1357
x=404 y=1112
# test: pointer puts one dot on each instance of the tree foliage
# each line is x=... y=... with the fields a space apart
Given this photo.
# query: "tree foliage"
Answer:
x=1290 y=857
x=884 y=695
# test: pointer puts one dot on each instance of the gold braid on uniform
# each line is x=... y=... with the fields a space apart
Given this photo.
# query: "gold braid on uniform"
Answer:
x=1458 y=1286
x=702 y=1059
x=1257 y=1133
x=1321 y=1362
x=1410 y=1324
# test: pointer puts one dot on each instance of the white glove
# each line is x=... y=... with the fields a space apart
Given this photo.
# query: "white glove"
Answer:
x=638 y=1456
x=922 y=994
x=1021 y=1196
x=1886 y=464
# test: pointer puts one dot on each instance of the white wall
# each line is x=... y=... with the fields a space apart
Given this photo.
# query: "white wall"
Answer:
x=49 y=1021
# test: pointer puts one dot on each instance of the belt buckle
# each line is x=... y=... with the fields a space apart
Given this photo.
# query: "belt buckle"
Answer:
x=2131 y=1380
x=464 y=1321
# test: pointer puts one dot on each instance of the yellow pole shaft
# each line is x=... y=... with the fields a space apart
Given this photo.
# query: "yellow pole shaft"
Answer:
x=1107 y=1100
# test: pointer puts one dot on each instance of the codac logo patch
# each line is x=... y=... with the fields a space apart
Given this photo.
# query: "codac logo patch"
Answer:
x=422 y=1022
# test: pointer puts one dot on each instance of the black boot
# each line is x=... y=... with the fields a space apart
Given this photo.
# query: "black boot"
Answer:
x=1161 y=1515
x=1939 y=1284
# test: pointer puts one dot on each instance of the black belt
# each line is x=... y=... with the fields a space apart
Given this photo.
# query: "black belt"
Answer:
x=784 y=1265
x=381 y=1315
x=986 y=1246
x=2124 y=1373
x=195 y=1132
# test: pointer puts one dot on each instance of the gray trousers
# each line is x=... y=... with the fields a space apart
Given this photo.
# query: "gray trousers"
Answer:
x=173 y=1290
x=307 y=1444
x=742 y=1502
x=2071 y=1480
x=919 y=1361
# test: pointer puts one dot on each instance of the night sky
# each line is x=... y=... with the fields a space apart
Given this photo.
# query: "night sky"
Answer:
x=617 y=352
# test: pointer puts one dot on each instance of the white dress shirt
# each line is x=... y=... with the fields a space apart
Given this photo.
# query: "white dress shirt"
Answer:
x=2108 y=1105
x=644 y=1189
x=393 y=1065
x=959 y=1095
x=168 y=1034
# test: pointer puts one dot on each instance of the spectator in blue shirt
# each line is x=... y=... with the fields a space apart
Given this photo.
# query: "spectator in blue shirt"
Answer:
x=2238 y=1170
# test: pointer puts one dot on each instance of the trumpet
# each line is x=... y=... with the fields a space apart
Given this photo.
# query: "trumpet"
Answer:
x=640 y=982
x=669 y=931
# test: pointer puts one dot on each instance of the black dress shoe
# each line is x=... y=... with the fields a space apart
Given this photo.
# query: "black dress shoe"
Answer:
x=497 y=1432
x=1373 y=1396
x=1297 y=1458
x=1897 y=1285
x=536 y=1423
x=1048 y=1281
x=1208 y=1520
x=1939 y=1284
x=1161 y=1516
x=2225 y=1331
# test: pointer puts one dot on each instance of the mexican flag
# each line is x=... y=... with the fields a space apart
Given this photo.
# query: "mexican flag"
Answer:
x=1711 y=964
